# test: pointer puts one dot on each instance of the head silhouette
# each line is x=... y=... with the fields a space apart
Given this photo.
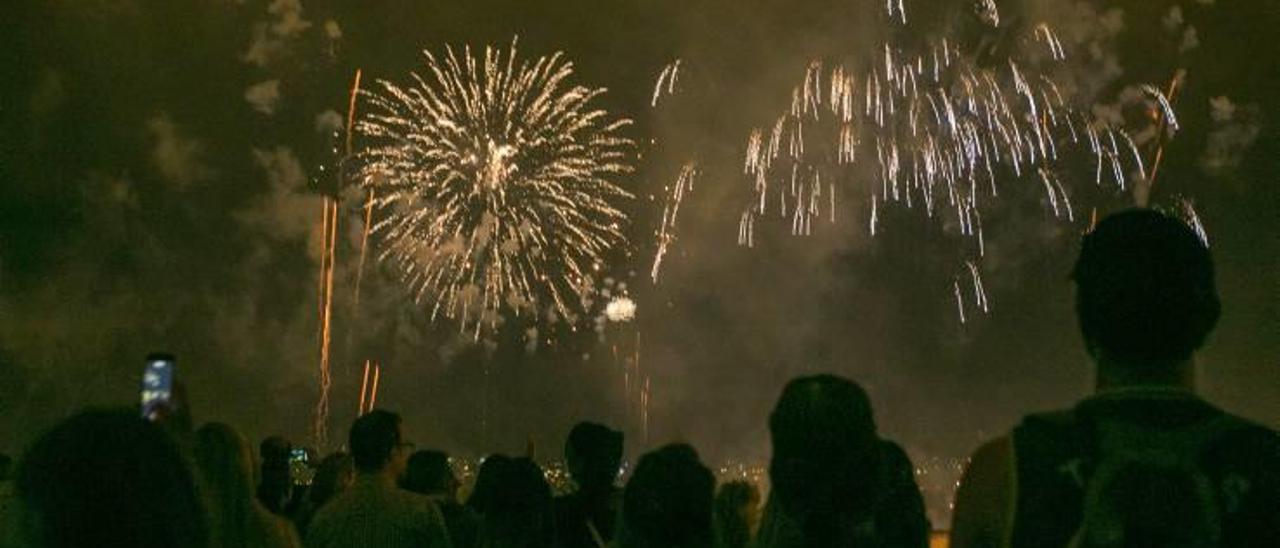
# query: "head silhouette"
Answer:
x=593 y=453
x=491 y=473
x=109 y=478
x=333 y=476
x=1145 y=293
x=519 y=511
x=275 y=483
x=274 y=449
x=375 y=443
x=668 y=501
x=824 y=452
x=225 y=462
x=736 y=514
x=429 y=474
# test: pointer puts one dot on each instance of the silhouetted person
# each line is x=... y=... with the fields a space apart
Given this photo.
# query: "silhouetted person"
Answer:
x=6 y=467
x=8 y=506
x=667 y=503
x=333 y=476
x=737 y=513
x=519 y=513
x=487 y=478
x=275 y=487
x=374 y=512
x=225 y=463
x=429 y=474
x=586 y=517
x=835 y=482
x=1144 y=461
x=108 y=478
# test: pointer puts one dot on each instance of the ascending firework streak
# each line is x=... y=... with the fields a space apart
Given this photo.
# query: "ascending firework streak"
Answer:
x=369 y=394
x=496 y=184
x=368 y=204
x=644 y=411
x=671 y=213
x=328 y=257
x=328 y=261
x=636 y=388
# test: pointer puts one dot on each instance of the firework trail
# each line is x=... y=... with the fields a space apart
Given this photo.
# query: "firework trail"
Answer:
x=369 y=397
x=644 y=410
x=1185 y=209
x=670 y=214
x=328 y=262
x=368 y=206
x=1165 y=122
x=980 y=302
x=937 y=130
x=496 y=184
x=666 y=83
x=328 y=258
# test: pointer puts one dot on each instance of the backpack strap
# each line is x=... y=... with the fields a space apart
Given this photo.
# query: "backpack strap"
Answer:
x=1049 y=456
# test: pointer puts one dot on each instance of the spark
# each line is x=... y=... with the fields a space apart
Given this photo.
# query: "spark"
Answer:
x=620 y=309
x=670 y=214
x=1186 y=210
x=497 y=184
x=666 y=82
x=987 y=12
x=979 y=290
x=1166 y=108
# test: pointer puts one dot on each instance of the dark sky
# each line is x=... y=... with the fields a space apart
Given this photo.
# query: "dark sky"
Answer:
x=156 y=159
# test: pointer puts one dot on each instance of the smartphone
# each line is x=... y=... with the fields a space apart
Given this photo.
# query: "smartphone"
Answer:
x=157 y=385
x=300 y=466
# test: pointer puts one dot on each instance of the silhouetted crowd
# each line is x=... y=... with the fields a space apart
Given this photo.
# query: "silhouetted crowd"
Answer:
x=1143 y=462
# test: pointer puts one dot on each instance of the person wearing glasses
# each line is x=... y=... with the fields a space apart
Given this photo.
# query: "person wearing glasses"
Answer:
x=374 y=511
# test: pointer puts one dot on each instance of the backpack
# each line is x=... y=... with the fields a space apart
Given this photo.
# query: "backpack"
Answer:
x=1147 y=487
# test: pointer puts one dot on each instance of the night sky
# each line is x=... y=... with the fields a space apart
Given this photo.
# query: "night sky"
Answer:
x=159 y=179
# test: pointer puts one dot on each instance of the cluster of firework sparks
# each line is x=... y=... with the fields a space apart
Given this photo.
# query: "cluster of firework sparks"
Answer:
x=494 y=183
x=497 y=184
x=938 y=132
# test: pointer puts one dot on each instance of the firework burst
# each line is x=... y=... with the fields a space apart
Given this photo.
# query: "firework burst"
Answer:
x=496 y=184
x=933 y=128
x=937 y=131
